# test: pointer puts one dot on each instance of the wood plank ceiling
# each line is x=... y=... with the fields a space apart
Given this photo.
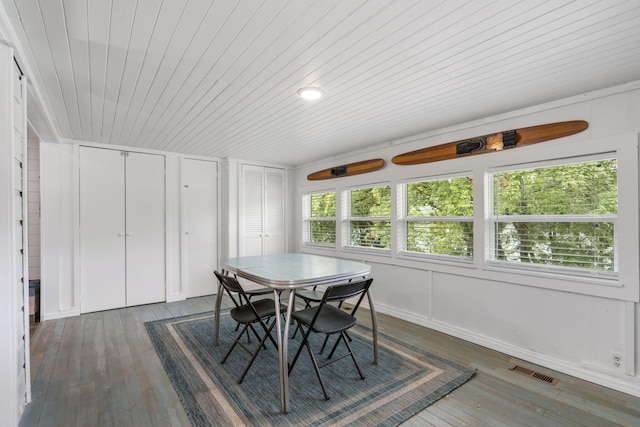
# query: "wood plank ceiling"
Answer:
x=219 y=78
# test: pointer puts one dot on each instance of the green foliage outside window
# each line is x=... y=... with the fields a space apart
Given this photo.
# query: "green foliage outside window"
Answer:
x=323 y=205
x=574 y=200
x=450 y=198
x=371 y=203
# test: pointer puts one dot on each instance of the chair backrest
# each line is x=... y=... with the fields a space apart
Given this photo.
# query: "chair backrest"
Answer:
x=231 y=285
x=347 y=290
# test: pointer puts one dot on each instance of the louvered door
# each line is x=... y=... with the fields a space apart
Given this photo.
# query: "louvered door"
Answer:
x=262 y=225
x=14 y=296
x=20 y=235
x=252 y=203
x=273 y=237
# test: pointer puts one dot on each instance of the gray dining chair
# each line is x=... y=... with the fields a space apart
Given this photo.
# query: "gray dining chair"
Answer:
x=249 y=312
x=328 y=319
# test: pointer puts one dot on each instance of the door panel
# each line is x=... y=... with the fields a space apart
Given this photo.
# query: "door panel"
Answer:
x=102 y=225
x=252 y=215
x=145 y=229
x=200 y=227
x=274 y=211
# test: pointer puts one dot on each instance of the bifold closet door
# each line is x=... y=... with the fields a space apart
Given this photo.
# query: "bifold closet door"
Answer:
x=145 y=228
x=102 y=229
x=273 y=211
x=262 y=211
x=122 y=229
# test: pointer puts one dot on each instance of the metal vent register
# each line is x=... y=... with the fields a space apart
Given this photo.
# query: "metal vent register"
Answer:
x=534 y=374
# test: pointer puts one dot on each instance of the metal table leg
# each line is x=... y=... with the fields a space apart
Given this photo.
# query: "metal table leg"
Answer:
x=216 y=315
x=283 y=351
x=374 y=326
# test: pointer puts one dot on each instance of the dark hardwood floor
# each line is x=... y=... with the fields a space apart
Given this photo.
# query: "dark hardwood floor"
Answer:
x=100 y=369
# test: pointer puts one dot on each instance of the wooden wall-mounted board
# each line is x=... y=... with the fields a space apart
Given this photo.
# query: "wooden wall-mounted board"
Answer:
x=348 y=170
x=491 y=143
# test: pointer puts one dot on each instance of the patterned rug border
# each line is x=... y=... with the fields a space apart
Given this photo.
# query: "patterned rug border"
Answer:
x=192 y=408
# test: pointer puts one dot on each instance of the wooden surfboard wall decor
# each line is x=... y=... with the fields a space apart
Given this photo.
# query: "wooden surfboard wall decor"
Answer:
x=491 y=143
x=347 y=170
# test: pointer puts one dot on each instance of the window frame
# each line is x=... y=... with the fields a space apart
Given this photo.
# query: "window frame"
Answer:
x=403 y=219
x=347 y=219
x=307 y=219
x=491 y=220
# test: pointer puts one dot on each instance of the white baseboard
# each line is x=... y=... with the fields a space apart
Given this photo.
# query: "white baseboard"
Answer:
x=59 y=315
x=626 y=384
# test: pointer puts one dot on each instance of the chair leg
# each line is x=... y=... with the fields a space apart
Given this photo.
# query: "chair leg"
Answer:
x=255 y=354
x=324 y=344
x=224 y=359
x=295 y=331
x=353 y=357
x=317 y=369
x=268 y=332
x=335 y=346
x=305 y=343
x=295 y=358
x=254 y=332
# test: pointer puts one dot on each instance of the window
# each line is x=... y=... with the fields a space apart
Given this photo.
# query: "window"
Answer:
x=437 y=217
x=368 y=221
x=561 y=216
x=320 y=218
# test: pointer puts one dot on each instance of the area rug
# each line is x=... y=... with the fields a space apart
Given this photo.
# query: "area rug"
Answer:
x=404 y=382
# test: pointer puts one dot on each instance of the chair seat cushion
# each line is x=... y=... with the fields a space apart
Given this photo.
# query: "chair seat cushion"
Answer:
x=330 y=320
x=264 y=307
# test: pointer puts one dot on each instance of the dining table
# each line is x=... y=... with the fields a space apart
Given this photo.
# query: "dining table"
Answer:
x=292 y=271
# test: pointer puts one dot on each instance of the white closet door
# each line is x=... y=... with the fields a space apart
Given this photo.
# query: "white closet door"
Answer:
x=200 y=226
x=102 y=225
x=145 y=229
x=273 y=211
x=252 y=210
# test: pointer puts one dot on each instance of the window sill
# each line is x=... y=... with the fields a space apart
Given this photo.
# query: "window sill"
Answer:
x=437 y=259
x=598 y=279
x=319 y=245
x=365 y=250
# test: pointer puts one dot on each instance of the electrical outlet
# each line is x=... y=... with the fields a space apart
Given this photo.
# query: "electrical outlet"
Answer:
x=617 y=361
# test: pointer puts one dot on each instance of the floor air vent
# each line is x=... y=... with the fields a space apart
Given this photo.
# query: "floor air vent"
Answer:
x=533 y=374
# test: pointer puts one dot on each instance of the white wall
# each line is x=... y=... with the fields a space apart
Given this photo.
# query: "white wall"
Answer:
x=539 y=318
x=58 y=298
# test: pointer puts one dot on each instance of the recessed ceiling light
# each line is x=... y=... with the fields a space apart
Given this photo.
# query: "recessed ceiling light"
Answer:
x=310 y=93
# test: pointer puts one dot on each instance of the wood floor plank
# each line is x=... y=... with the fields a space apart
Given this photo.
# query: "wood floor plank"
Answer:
x=101 y=369
x=425 y=419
